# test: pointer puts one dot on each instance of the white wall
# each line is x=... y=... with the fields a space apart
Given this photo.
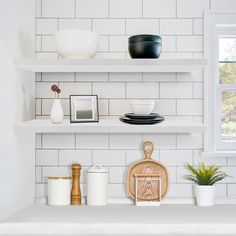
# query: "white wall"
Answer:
x=178 y=96
x=16 y=104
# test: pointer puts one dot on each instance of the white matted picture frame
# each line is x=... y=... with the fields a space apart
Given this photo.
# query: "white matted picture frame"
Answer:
x=84 y=108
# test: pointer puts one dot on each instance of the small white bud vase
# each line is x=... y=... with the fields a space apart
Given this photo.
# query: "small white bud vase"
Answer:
x=57 y=113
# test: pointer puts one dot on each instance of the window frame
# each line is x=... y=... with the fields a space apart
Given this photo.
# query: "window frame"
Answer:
x=215 y=24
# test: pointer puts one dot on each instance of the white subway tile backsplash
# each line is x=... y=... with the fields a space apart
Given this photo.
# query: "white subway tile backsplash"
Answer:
x=221 y=190
x=55 y=77
x=59 y=141
x=189 y=107
x=168 y=44
x=92 y=141
x=231 y=171
x=172 y=174
x=84 y=24
x=109 y=157
x=231 y=190
x=125 y=141
x=180 y=23
x=118 y=43
x=38 y=174
x=58 y=8
x=189 y=43
x=176 y=26
x=68 y=157
x=38 y=43
x=180 y=191
x=192 y=8
x=38 y=107
x=198 y=26
x=117 y=175
x=161 y=141
x=159 y=77
x=165 y=107
x=103 y=107
x=68 y=89
x=109 y=26
x=198 y=158
x=137 y=155
x=142 y=90
x=198 y=90
x=46 y=157
x=181 y=172
x=109 y=90
x=116 y=191
x=48 y=44
x=46 y=26
x=159 y=8
x=91 y=77
x=189 y=141
x=176 y=157
x=176 y=90
x=127 y=77
x=118 y=107
x=125 y=9
x=92 y=8
x=142 y=26
x=223 y=6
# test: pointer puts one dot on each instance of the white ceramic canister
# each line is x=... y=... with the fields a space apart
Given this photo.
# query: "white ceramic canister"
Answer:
x=59 y=189
x=97 y=185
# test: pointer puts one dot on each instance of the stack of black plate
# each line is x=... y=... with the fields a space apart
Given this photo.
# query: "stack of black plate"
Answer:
x=134 y=119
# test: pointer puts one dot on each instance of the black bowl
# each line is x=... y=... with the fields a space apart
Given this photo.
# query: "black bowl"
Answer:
x=145 y=49
x=145 y=37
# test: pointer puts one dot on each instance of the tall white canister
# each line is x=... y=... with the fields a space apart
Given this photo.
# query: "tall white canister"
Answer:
x=97 y=185
x=59 y=189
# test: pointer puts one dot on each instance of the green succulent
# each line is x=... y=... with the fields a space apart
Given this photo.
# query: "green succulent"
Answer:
x=203 y=175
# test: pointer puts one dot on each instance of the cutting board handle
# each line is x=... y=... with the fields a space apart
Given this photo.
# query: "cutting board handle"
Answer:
x=148 y=149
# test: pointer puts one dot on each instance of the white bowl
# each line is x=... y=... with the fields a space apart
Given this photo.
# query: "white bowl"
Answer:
x=76 y=44
x=142 y=107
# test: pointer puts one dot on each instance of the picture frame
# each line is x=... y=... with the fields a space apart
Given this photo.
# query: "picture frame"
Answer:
x=84 y=108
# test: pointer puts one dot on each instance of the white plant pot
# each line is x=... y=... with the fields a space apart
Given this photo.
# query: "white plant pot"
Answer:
x=205 y=195
x=57 y=113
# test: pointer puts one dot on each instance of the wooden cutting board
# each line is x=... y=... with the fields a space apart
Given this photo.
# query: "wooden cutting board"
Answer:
x=148 y=186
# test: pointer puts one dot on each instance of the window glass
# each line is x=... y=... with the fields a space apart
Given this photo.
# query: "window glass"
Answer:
x=228 y=116
x=227 y=49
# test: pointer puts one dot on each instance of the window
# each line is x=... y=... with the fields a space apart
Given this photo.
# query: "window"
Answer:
x=220 y=84
x=226 y=90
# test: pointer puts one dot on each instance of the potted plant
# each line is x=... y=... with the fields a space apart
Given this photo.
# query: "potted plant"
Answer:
x=205 y=179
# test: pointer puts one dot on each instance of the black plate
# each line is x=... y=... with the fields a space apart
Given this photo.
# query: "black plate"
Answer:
x=141 y=121
x=150 y=116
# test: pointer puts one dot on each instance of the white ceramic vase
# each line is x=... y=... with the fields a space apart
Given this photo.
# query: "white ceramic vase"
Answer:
x=57 y=113
x=205 y=195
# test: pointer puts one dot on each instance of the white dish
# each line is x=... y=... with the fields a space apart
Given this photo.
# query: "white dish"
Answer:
x=142 y=107
x=76 y=44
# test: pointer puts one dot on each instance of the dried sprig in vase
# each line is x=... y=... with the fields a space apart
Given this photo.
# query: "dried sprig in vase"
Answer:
x=57 y=113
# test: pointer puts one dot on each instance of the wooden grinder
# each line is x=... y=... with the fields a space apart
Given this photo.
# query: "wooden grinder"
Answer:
x=75 y=197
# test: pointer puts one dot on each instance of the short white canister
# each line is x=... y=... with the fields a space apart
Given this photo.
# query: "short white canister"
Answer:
x=59 y=189
x=97 y=185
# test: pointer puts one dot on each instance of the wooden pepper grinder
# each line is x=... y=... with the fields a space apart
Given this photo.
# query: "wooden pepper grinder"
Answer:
x=75 y=191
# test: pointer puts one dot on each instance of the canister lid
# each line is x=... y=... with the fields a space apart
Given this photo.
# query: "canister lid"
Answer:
x=97 y=169
x=59 y=177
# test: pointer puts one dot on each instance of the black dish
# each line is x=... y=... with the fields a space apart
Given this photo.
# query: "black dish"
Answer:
x=145 y=37
x=150 y=116
x=141 y=121
x=145 y=49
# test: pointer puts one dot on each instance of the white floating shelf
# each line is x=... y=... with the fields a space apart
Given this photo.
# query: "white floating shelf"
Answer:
x=112 y=65
x=108 y=126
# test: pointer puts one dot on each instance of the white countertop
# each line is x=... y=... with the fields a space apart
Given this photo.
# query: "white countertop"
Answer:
x=123 y=220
